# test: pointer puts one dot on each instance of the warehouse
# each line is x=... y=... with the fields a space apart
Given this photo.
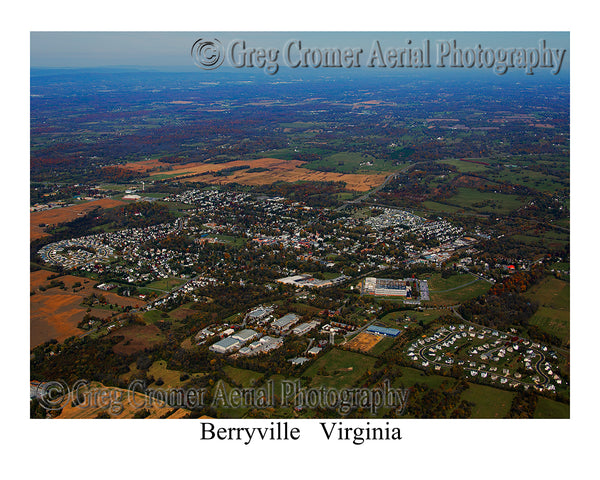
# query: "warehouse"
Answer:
x=245 y=335
x=389 y=332
x=304 y=328
x=226 y=345
x=284 y=323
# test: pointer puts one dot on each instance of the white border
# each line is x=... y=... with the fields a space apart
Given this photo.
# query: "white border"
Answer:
x=494 y=449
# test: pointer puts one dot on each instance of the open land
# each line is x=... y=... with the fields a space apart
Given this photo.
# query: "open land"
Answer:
x=277 y=170
x=55 y=216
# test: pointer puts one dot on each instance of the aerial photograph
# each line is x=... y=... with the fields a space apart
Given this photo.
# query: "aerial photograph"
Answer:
x=299 y=225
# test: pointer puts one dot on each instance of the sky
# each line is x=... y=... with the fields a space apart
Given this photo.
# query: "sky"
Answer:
x=171 y=50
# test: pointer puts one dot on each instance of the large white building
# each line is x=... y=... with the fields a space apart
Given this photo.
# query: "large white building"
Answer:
x=284 y=323
x=226 y=345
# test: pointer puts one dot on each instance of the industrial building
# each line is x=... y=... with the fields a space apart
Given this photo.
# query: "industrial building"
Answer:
x=226 y=345
x=389 y=332
x=259 y=313
x=245 y=335
x=264 y=345
x=387 y=287
x=284 y=323
x=304 y=328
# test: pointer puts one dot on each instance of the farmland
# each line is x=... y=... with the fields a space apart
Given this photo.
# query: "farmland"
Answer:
x=274 y=170
x=55 y=216
x=56 y=312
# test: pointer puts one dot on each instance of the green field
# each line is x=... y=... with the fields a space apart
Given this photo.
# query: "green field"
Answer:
x=166 y=284
x=547 y=408
x=350 y=162
x=338 y=369
x=468 y=167
x=410 y=376
x=553 y=314
x=245 y=378
x=455 y=289
x=489 y=402
x=441 y=207
x=153 y=316
x=381 y=346
x=485 y=201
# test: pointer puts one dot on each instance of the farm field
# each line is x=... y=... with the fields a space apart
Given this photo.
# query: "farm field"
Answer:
x=55 y=313
x=121 y=399
x=277 y=170
x=338 y=369
x=55 y=216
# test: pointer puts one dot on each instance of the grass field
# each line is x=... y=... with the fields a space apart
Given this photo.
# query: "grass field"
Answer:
x=553 y=315
x=382 y=346
x=468 y=167
x=410 y=376
x=489 y=402
x=166 y=284
x=338 y=369
x=136 y=338
x=547 y=408
x=454 y=289
x=350 y=162
x=245 y=378
x=485 y=201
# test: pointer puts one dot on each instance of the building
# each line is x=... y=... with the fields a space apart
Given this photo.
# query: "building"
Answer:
x=259 y=313
x=304 y=328
x=226 y=345
x=314 y=351
x=387 y=287
x=284 y=323
x=299 y=360
x=245 y=335
x=389 y=332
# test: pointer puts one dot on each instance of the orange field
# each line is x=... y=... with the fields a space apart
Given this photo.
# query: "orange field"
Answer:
x=55 y=313
x=55 y=216
x=118 y=403
x=364 y=342
x=279 y=170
